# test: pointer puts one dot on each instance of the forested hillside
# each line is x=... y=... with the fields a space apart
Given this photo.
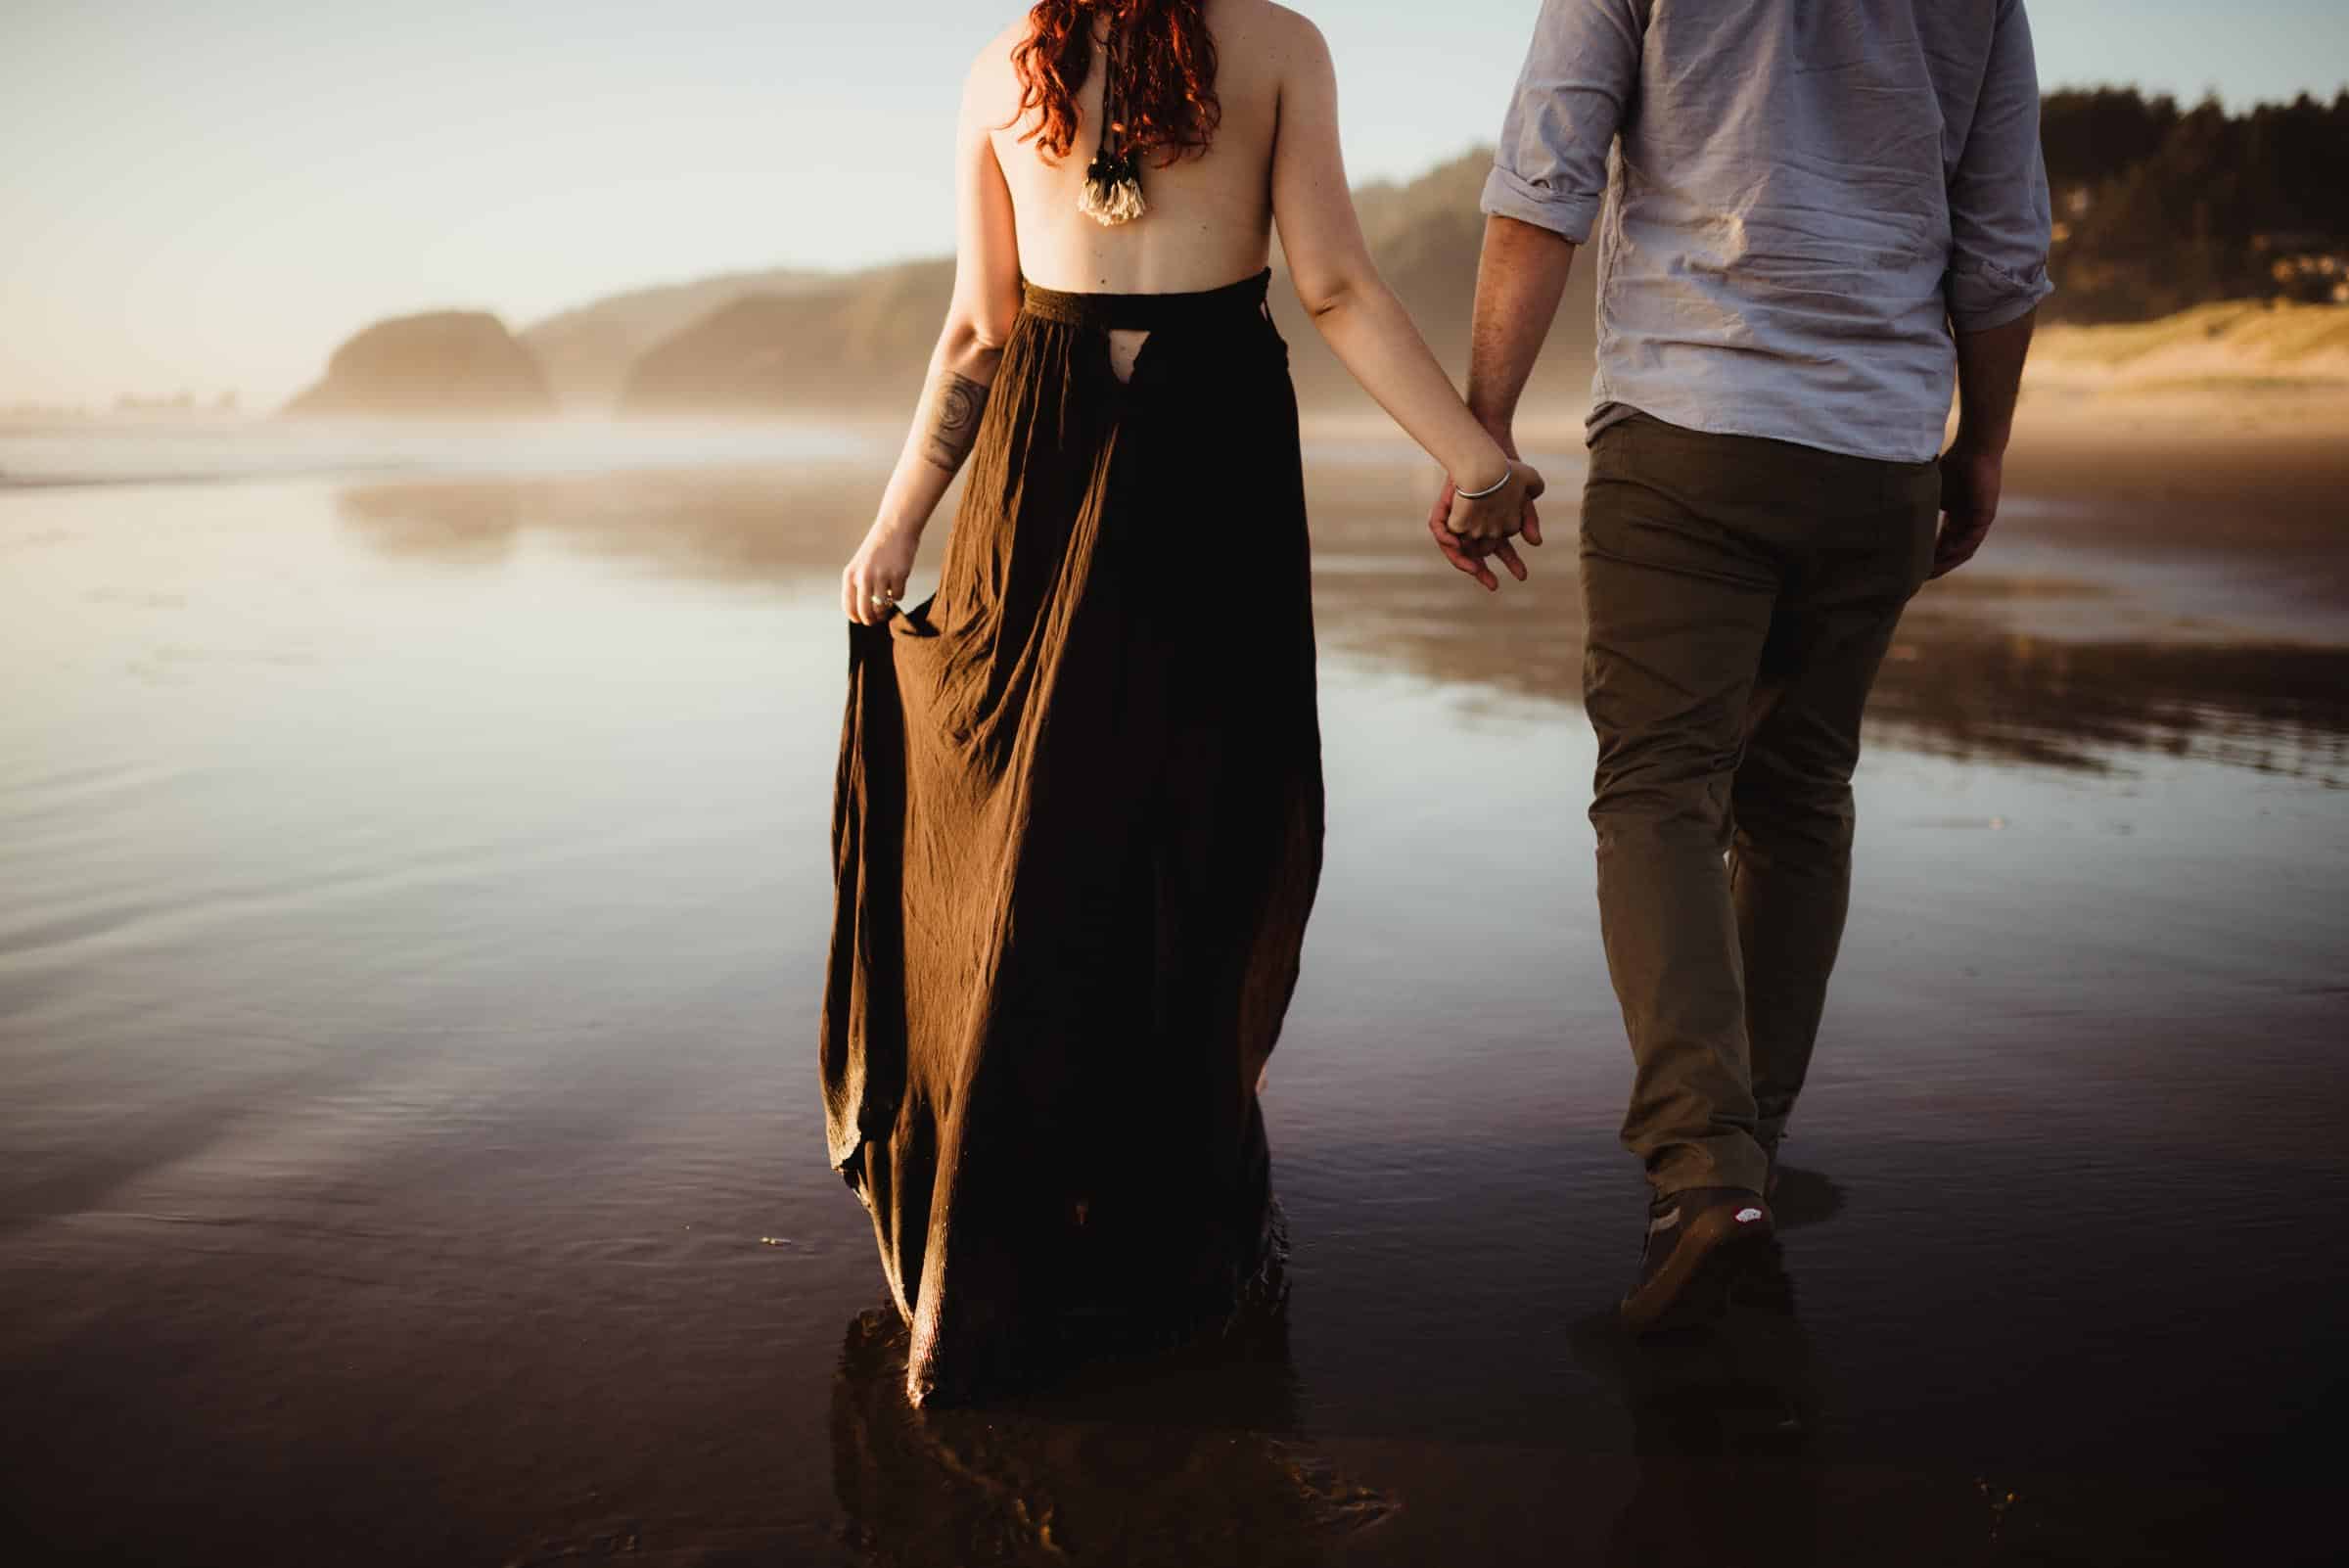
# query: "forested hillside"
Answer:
x=2158 y=209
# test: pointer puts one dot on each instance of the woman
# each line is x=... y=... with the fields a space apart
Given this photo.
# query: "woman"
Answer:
x=1078 y=822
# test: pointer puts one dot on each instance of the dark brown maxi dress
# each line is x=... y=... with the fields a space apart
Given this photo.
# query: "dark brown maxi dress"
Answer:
x=1077 y=835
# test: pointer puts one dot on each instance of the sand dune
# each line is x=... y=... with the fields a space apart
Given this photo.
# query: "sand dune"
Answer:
x=2233 y=343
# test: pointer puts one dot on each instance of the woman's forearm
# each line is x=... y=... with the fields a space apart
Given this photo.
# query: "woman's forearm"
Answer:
x=1373 y=337
x=945 y=427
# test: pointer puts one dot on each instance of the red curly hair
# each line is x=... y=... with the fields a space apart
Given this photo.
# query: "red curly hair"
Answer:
x=1166 y=67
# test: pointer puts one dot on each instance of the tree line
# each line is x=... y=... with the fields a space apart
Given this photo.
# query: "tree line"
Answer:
x=2159 y=208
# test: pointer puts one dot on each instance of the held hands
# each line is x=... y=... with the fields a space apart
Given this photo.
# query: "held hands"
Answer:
x=875 y=578
x=1468 y=532
x=1494 y=516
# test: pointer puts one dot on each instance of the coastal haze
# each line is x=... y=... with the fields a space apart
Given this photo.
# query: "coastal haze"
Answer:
x=415 y=792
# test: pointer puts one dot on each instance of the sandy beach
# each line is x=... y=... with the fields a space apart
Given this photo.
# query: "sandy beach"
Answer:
x=417 y=894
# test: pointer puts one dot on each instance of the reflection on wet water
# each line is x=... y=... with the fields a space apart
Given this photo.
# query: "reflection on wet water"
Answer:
x=1192 y=1458
x=2276 y=709
x=1721 y=1421
x=416 y=905
x=751 y=524
x=2055 y=668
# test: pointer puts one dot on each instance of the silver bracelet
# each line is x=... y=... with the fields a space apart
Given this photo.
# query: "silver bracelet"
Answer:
x=1493 y=488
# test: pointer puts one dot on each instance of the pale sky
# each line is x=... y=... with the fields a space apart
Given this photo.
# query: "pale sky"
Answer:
x=211 y=195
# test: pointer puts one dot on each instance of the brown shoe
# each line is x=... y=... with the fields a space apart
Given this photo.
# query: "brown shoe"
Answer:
x=1698 y=1241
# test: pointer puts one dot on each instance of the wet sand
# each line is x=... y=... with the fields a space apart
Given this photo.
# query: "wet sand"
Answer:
x=412 y=1149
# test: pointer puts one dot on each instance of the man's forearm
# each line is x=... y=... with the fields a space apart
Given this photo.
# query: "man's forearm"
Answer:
x=1520 y=278
x=1990 y=379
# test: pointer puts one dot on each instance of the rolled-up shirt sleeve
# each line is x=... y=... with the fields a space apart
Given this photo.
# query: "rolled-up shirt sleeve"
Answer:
x=1550 y=168
x=1999 y=217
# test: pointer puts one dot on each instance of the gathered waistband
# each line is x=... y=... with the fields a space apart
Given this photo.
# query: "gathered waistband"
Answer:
x=1150 y=312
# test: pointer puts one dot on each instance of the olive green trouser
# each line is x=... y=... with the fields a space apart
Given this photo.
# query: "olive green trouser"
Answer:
x=1740 y=595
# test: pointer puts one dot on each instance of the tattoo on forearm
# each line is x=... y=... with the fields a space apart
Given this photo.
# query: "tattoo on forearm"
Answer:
x=954 y=408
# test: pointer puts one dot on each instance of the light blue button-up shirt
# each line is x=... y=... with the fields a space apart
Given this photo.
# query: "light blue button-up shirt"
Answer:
x=1796 y=200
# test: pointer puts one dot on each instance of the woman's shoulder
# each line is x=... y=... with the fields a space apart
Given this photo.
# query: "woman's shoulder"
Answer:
x=1282 y=36
x=994 y=57
x=1267 y=22
x=991 y=82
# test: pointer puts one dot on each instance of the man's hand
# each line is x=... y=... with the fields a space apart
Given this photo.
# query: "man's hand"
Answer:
x=1969 y=504
x=1990 y=378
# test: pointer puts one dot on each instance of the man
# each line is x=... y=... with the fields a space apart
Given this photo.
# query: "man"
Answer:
x=1820 y=214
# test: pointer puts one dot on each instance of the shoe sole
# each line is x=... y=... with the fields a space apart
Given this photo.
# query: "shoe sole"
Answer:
x=1692 y=1288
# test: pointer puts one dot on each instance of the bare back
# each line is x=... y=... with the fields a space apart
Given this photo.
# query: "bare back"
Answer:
x=1210 y=220
x=1274 y=163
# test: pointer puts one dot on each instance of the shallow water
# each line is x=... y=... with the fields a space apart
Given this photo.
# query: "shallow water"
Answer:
x=415 y=863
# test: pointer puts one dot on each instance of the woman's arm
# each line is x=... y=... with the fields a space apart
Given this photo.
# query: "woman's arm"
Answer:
x=1355 y=311
x=962 y=368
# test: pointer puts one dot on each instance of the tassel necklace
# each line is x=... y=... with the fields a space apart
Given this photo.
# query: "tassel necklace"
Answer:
x=1113 y=184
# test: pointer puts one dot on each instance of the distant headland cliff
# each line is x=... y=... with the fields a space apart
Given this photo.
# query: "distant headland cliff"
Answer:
x=447 y=362
x=783 y=341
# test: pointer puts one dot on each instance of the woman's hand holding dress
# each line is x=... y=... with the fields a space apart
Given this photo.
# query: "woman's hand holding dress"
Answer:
x=876 y=575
